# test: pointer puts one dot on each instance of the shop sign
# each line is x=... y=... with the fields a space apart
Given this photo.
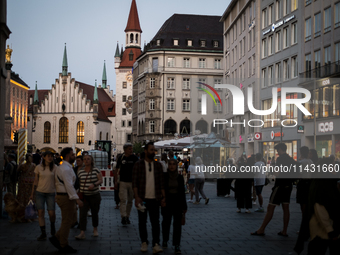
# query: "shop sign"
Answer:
x=326 y=82
x=300 y=128
x=277 y=134
x=258 y=136
x=250 y=139
x=279 y=24
x=324 y=127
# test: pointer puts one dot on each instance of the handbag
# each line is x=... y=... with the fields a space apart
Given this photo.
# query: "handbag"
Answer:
x=81 y=194
x=31 y=211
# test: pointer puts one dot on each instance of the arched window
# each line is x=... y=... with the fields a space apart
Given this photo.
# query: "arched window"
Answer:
x=131 y=38
x=170 y=127
x=80 y=132
x=47 y=132
x=185 y=127
x=202 y=125
x=100 y=135
x=63 y=130
x=136 y=38
x=107 y=136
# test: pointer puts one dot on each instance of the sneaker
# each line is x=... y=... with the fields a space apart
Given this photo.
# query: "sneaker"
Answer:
x=55 y=242
x=128 y=220
x=67 y=249
x=259 y=209
x=144 y=247
x=165 y=245
x=238 y=211
x=254 y=203
x=190 y=201
x=80 y=237
x=156 y=249
x=196 y=203
x=124 y=221
x=177 y=249
x=42 y=237
x=247 y=211
x=227 y=195
x=206 y=201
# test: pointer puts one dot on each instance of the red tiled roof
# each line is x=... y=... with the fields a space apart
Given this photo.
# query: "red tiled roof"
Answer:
x=125 y=59
x=133 y=20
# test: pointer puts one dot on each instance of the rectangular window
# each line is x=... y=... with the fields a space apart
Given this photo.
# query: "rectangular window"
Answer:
x=328 y=60
x=308 y=65
x=249 y=67
x=124 y=85
x=294 y=67
x=186 y=105
x=217 y=64
x=278 y=9
x=123 y=123
x=264 y=48
x=278 y=41
x=254 y=64
x=271 y=75
x=175 y=42
x=201 y=80
x=171 y=83
x=152 y=83
x=171 y=62
x=271 y=14
x=244 y=46
x=294 y=5
x=240 y=50
x=186 y=83
x=201 y=63
x=308 y=2
x=337 y=15
x=264 y=18
x=152 y=104
x=170 y=105
x=124 y=111
x=285 y=70
x=317 y=24
x=249 y=40
x=337 y=57
x=250 y=13
x=215 y=44
x=327 y=21
x=189 y=42
x=308 y=29
x=294 y=33
x=124 y=98
x=317 y=62
x=236 y=54
x=271 y=45
x=278 y=72
x=217 y=107
x=254 y=36
x=285 y=37
x=285 y=7
x=152 y=126
x=203 y=43
x=264 y=78
x=186 y=62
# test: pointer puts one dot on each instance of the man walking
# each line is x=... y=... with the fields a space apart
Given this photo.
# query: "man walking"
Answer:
x=280 y=194
x=124 y=173
x=148 y=187
x=67 y=199
x=259 y=180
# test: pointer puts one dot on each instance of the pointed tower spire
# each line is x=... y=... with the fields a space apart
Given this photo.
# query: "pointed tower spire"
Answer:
x=133 y=20
x=104 y=79
x=95 y=94
x=117 y=51
x=65 y=62
x=36 y=97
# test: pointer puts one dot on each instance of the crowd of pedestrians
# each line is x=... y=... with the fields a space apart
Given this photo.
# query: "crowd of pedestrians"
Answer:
x=159 y=187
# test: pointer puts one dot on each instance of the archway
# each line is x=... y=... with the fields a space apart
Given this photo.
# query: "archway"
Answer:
x=202 y=126
x=185 y=127
x=170 y=127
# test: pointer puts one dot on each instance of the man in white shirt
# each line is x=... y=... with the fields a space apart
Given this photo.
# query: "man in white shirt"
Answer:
x=259 y=180
x=67 y=199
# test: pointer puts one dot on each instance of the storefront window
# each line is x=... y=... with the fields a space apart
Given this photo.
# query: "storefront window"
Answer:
x=269 y=151
x=324 y=148
x=337 y=149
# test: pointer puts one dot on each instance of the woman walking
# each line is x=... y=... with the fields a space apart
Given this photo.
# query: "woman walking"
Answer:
x=89 y=178
x=176 y=205
x=45 y=192
x=199 y=181
x=191 y=181
x=26 y=180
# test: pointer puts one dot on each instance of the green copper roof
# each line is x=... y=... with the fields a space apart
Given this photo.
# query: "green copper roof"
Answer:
x=65 y=62
x=95 y=95
x=117 y=51
x=36 y=98
x=104 y=77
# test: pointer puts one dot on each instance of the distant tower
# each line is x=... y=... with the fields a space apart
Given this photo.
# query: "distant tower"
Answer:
x=104 y=79
x=133 y=30
x=117 y=56
x=65 y=62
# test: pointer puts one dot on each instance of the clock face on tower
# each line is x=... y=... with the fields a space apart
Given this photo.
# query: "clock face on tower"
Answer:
x=128 y=76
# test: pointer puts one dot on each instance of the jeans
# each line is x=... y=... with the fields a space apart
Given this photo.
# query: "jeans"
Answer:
x=45 y=198
x=172 y=210
x=93 y=203
x=199 y=184
x=152 y=207
x=126 y=198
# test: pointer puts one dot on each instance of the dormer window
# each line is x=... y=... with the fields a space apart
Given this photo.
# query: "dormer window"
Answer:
x=175 y=42
x=203 y=43
x=215 y=44
x=158 y=42
x=131 y=56
x=189 y=42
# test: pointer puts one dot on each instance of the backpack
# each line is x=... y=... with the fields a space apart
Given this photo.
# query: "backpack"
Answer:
x=14 y=172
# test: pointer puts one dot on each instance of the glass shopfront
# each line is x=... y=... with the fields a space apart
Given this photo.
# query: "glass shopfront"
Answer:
x=324 y=148
x=269 y=151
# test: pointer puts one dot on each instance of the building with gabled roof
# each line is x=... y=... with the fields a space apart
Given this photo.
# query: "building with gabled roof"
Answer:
x=71 y=113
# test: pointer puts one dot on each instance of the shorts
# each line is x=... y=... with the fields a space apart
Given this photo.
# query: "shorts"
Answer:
x=258 y=189
x=280 y=195
x=42 y=198
x=191 y=181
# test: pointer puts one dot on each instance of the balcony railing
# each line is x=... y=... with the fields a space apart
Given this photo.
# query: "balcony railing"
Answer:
x=323 y=71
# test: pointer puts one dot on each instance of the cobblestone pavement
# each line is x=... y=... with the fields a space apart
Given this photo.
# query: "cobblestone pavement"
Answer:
x=215 y=228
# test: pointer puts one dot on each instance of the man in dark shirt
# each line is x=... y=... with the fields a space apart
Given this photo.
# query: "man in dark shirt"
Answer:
x=124 y=173
x=280 y=194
